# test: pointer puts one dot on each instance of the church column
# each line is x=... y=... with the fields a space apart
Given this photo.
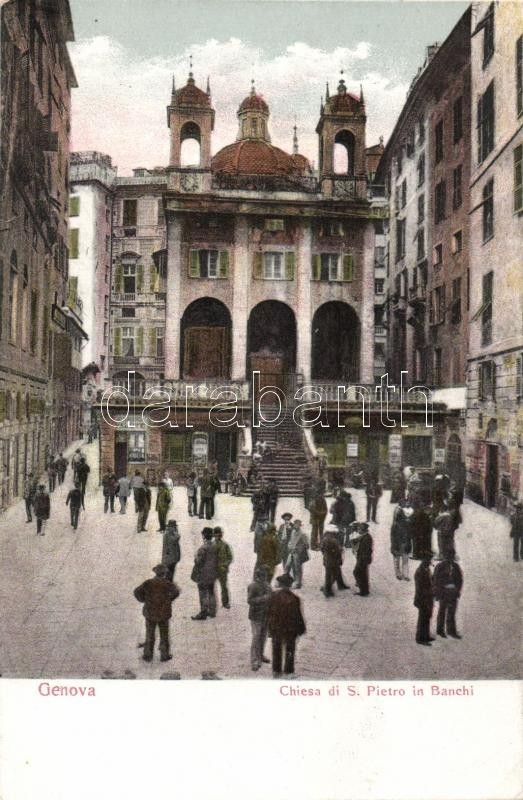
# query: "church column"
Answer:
x=367 y=307
x=303 y=301
x=240 y=303
x=173 y=311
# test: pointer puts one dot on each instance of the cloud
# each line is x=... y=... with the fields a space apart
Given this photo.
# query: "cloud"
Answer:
x=119 y=107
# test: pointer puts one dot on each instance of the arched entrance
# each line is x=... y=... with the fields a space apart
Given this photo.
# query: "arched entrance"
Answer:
x=271 y=341
x=206 y=340
x=335 y=343
x=492 y=464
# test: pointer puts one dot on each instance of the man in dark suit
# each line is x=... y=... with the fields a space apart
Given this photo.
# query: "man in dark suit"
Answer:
x=205 y=573
x=363 y=560
x=285 y=623
x=447 y=582
x=424 y=600
x=332 y=561
x=157 y=595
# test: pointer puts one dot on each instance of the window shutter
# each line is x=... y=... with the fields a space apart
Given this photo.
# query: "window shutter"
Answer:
x=117 y=342
x=73 y=242
x=493 y=373
x=257 y=265
x=194 y=264
x=139 y=341
x=348 y=267
x=480 y=381
x=152 y=341
x=74 y=206
x=118 y=278
x=289 y=266
x=480 y=118
x=519 y=379
x=2 y=406
x=223 y=264
x=316 y=267
x=154 y=279
x=139 y=278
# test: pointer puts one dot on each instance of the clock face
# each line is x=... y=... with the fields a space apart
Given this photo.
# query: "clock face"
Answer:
x=189 y=183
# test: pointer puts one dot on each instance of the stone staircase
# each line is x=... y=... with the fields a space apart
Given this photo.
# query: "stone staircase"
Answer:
x=288 y=464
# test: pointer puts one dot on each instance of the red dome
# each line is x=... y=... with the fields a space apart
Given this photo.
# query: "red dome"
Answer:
x=301 y=162
x=254 y=102
x=253 y=157
x=344 y=102
x=190 y=95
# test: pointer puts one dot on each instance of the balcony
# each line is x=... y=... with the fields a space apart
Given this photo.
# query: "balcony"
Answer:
x=138 y=297
x=417 y=295
x=185 y=392
x=380 y=330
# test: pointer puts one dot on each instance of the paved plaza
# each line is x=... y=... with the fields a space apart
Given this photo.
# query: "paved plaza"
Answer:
x=69 y=610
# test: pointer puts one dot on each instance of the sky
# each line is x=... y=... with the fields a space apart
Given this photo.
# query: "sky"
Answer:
x=126 y=52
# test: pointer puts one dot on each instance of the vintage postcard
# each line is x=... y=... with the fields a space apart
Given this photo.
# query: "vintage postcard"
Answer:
x=261 y=395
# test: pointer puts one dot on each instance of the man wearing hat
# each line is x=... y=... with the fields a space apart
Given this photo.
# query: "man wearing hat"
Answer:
x=157 y=595
x=516 y=530
x=363 y=560
x=285 y=623
x=42 y=508
x=332 y=561
x=447 y=583
x=75 y=501
x=205 y=573
x=171 y=548
x=259 y=593
x=284 y=534
x=424 y=599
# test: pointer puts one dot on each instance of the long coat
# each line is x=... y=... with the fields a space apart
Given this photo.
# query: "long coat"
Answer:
x=400 y=533
x=269 y=551
x=364 y=554
x=423 y=595
x=284 y=617
x=171 y=547
x=206 y=564
x=421 y=532
x=157 y=595
x=332 y=550
x=42 y=505
x=163 y=499
x=447 y=580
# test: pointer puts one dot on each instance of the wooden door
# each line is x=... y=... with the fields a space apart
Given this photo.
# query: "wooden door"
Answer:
x=272 y=373
x=205 y=352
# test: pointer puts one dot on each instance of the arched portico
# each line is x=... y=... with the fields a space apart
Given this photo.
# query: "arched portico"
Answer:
x=335 y=347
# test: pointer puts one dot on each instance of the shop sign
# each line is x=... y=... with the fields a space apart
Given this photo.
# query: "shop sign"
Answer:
x=395 y=450
x=352 y=447
x=439 y=455
x=200 y=448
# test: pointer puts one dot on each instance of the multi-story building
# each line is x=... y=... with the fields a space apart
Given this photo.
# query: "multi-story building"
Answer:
x=495 y=380
x=426 y=168
x=38 y=412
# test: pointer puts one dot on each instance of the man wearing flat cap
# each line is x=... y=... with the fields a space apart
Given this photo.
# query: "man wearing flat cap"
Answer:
x=285 y=623
x=157 y=595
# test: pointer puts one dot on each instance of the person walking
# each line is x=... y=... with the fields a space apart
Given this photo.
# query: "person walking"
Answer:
x=447 y=583
x=51 y=474
x=205 y=573
x=260 y=505
x=225 y=559
x=373 y=492
x=61 y=468
x=424 y=600
x=398 y=486
x=272 y=499
x=191 y=484
x=445 y=526
x=109 y=486
x=308 y=491
x=75 y=462
x=215 y=488
x=343 y=515
x=206 y=492
x=332 y=561
x=82 y=471
x=168 y=481
x=284 y=535
x=171 y=552
x=143 y=505
x=75 y=501
x=259 y=594
x=516 y=531
x=298 y=553
x=124 y=490
x=157 y=595
x=30 y=485
x=42 y=509
x=285 y=624
x=363 y=560
x=318 y=512
x=163 y=502
x=400 y=539
x=268 y=551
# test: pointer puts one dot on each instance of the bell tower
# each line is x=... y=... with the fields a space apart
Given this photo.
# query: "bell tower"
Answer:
x=342 y=123
x=190 y=117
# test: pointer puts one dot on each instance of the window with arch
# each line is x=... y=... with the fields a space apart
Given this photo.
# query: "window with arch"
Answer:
x=190 y=145
x=344 y=149
x=13 y=297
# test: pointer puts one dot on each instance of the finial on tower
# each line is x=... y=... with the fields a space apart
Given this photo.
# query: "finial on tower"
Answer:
x=327 y=91
x=362 y=100
x=295 y=139
x=208 y=86
x=253 y=90
x=173 y=90
x=191 y=76
x=341 y=85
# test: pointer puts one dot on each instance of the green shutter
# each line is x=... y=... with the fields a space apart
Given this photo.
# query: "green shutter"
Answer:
x=72 y=293
x=2 y=406
x=139 y=342
x=289 y=266
x=348 y=267
x=152 y=341
x=139 y=278
x=74 y=206
x=118 y=278
x=223 y=264
x=117 y=342
x=257 y=265
x=73 y=242
x=194 y=264
x=154 y=279
x=316 y=267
